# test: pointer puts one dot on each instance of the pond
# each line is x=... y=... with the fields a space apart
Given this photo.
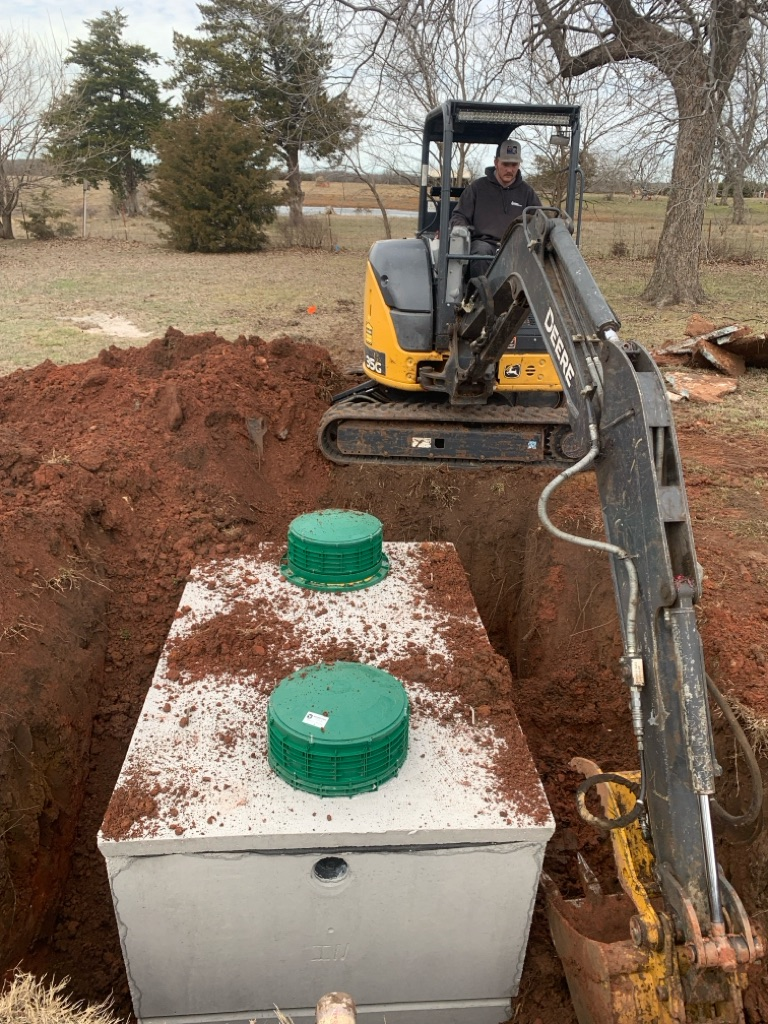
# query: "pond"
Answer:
x=350 y=211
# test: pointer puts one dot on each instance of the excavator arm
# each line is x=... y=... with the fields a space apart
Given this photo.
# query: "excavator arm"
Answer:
x=622 y=427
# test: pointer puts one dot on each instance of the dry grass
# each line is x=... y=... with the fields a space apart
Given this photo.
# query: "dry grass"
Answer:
x=613 y=227
x=29 y=1000
x=634 y=228
x=53 y=288
x=755 y=727
x=323 y=230
x=19 y=630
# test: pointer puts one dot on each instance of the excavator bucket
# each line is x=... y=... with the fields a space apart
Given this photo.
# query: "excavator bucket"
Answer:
x=611 y=981
x=618 y=953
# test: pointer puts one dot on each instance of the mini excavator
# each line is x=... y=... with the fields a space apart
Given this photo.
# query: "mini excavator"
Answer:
x=525 y=364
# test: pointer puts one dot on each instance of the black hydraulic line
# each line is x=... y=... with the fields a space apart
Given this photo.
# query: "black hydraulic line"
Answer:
x=607 y=824
x=738 y=821
x=366 y=388
x=748 y=817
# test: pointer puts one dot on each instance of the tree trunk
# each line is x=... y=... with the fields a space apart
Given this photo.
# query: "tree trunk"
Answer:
x=739 y=211
x=7 y=206
x=675 y=277
x=371 y=183
x=725 y=188
x=295 y=193
x=131 y=188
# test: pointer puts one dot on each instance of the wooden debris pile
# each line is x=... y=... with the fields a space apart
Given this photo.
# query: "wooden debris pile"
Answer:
x=727 y=350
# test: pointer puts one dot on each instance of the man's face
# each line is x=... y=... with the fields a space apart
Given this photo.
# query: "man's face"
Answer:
x=506 y=173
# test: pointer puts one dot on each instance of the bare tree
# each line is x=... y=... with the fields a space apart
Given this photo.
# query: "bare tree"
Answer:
x=408 y=56
x=742 y=138
x=31 y=77
x=697 y=47
x=358 y=162
x=612 y=119
x=437 y=50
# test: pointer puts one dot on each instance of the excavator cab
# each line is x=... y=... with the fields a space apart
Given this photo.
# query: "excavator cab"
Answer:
x=453 y=133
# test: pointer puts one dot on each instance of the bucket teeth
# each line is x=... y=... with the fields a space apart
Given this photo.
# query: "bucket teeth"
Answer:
x=589 y=882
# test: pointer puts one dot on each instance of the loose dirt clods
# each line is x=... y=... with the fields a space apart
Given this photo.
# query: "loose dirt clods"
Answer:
x=156 y=472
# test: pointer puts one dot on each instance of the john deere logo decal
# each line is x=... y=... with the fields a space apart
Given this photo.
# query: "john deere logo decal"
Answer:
x=514 y=370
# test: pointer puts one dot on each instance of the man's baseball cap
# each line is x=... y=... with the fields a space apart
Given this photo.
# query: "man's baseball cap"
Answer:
x=509 y=152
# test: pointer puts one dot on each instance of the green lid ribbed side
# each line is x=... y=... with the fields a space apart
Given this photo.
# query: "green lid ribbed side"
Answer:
x=338 y=730
x=335 y=549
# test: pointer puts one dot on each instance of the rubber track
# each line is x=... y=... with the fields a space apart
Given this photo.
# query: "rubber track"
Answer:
x=377 y=410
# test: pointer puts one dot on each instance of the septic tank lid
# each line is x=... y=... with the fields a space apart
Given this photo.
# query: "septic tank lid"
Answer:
x=338 y=730
x=335 y=549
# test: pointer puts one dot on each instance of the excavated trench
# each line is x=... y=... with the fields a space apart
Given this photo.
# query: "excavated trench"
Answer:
x=549 y=612
x=119 y=475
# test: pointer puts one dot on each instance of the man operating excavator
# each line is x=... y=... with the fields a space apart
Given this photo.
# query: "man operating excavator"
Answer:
x=489 y=204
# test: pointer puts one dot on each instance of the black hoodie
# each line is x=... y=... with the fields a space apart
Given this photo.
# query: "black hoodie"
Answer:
x=490 y=208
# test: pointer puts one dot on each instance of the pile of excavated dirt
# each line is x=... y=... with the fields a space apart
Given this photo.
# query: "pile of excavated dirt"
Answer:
x=120 y=474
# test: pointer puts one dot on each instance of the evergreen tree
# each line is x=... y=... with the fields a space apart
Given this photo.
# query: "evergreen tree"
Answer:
x=105 y=120
x=44 y=219
x=276 y=65
x=211 y=187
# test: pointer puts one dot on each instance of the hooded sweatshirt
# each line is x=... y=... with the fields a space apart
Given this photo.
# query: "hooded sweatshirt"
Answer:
x=490 y=208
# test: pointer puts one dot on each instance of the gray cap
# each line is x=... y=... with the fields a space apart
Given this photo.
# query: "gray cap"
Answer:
x=509 y=152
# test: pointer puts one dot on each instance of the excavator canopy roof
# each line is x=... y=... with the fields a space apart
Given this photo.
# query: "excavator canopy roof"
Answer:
x=492 y=123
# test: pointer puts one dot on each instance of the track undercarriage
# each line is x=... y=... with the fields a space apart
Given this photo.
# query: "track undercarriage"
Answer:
x=368 y=425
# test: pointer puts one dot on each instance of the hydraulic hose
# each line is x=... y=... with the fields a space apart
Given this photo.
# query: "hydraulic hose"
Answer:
x=607 y=824
x=597 y=545
x=750 y=816
x=630 y=645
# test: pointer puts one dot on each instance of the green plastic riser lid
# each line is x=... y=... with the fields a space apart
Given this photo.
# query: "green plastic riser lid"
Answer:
x=338 y=730
x=335 y=549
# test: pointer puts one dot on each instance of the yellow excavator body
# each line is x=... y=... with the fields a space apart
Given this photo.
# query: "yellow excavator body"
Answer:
x=386 y=361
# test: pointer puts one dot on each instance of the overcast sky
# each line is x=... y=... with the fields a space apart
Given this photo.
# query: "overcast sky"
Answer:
x=150 y=22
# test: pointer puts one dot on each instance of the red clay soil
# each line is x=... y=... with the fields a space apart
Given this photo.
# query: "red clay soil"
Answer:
x=120 y=474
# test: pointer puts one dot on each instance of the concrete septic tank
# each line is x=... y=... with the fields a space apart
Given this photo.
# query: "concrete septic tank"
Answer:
x=235 y=892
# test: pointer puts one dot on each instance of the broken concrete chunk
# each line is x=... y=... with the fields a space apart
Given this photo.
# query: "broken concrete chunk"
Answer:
x=664 y=358
x=753 y=349
x=698 y=325
x=700 y=388
x=679 y=348
x=720 y=335
x=707 y=355
x=723 y=334
x=715 y=347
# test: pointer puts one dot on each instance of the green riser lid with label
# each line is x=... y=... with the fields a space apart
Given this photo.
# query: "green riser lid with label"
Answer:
x=338 y=730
